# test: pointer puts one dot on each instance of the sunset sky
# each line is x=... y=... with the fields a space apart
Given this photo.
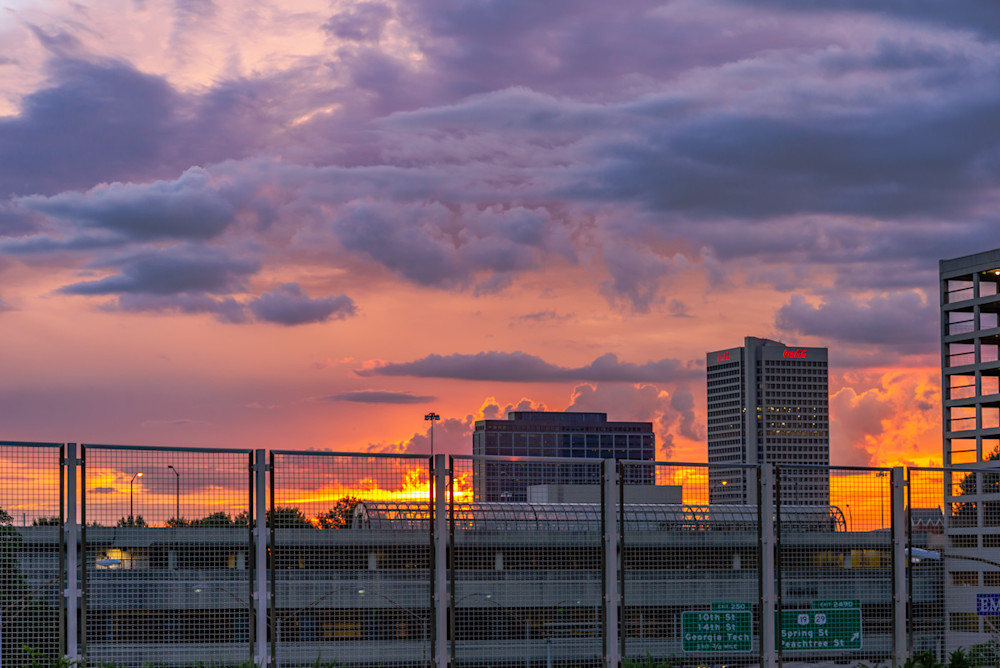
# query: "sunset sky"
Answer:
x=303 y=225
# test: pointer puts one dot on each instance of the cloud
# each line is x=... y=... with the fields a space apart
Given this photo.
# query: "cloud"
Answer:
x=523 y=367
x=361 y=22
x=980 y=16
x=903 y=319
x=104 y=120
x=883 y=418
x=545 y=316
x=187 y=208
x=225 y=309
x=288 y=305
x=379 y=397
x=180 y=269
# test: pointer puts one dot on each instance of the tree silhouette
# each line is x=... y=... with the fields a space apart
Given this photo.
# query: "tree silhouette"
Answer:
x=964 y=514
x=216 y=519
x=53 y=521
x=341 y=516
x=288 y=518
x=130 y=521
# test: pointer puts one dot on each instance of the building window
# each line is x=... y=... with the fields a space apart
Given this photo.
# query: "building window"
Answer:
x=965 y=578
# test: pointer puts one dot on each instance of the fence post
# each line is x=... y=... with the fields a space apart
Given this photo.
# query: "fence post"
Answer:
x=260 y=595
x=766 y=518
x=609 y=529
x=71 y=530
x=440 y=599
x=899 y=565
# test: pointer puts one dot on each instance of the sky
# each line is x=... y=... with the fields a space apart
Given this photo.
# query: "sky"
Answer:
x=303 y=225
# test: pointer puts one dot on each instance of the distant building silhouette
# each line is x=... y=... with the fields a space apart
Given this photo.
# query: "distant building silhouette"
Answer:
x=551 y=434
x=768 y=403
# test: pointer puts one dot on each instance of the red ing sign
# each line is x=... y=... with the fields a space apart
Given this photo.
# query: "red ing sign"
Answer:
x=797 y=354
x=723 y=357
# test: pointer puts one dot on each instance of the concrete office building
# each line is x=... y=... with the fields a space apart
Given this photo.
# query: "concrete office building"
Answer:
x=768 y=403
x=970 y=392
x=551 y=434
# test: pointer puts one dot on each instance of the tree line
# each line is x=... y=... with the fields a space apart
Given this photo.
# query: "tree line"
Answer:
x=339 y=516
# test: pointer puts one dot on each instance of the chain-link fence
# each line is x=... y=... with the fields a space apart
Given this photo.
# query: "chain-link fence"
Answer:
x=371 y=560
x=835 y=564
x=690 y=569
x=955 y=564
x=32 y=550
x=526 y=575
x=351 y=559
x=926 y=550
x=167 y=549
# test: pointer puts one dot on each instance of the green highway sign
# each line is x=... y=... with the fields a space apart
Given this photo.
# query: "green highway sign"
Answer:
x=836 y=605
x=733 y=605
x=833 y=629
x=716 y=631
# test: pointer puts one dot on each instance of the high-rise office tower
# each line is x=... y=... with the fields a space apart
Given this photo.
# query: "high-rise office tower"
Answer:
x=970 y=397
x=551 y=434
x=768 y=403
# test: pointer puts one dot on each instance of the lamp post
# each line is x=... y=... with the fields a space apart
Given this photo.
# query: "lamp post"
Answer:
x=177 y=495
x=433 y=417
x=131 y=512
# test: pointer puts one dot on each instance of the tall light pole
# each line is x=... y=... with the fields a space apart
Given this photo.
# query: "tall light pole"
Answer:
x=131 y=512
x=177 y=495
x=432 y=416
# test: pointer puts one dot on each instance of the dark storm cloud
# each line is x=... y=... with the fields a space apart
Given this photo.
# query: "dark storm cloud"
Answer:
x=895 y=161
x=980 y=16
x=106 y=121
x=225 y=309
x=179 y=270
x=586 y=47
x=186 y=208
x=418 y=242
x=904 y=319
x=522 y=367
x=379 y=397
x=288 y=305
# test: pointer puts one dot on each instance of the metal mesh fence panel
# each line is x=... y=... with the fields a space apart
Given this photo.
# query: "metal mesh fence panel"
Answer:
x=691 y=579
x=167 y=548
x=964 y=557
x=526 y=574
x=834 y=564
x=351 y=559
x=926 y=548
x=31 y=552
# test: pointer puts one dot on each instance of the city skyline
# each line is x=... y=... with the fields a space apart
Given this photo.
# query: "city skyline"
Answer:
x=306 y=225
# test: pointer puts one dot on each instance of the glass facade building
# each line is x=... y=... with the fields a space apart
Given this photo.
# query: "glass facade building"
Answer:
x=550 y=434
x=769 y=403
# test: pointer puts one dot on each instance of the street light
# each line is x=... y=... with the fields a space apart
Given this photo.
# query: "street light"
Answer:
x=177 y=495
x=432 y=416
x=131 y=513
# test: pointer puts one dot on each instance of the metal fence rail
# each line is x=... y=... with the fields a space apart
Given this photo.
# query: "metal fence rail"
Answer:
x=32 y=550
x=291 y=558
